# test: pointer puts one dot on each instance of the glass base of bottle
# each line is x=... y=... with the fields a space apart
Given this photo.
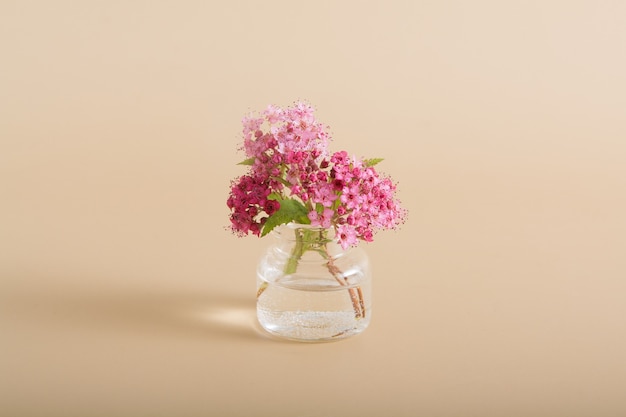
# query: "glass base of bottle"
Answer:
x=311 y=326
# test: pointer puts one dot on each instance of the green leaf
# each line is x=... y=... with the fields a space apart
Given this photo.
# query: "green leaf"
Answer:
x=249 y=161
x=372 y=161
x=290 y=211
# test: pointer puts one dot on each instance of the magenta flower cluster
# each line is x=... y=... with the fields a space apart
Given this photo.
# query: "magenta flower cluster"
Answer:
x=293 y=177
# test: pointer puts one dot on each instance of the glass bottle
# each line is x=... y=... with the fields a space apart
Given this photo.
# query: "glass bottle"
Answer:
x=310 y=289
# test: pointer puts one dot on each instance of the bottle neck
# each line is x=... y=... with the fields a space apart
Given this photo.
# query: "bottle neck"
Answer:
x=299 y=238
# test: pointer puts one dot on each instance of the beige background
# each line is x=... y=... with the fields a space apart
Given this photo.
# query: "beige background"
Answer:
x=121 y=294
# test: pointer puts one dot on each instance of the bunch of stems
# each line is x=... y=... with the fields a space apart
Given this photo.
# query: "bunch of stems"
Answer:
x=317 y=240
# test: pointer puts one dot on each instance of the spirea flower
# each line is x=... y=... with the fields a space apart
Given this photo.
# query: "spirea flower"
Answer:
x=293 y=177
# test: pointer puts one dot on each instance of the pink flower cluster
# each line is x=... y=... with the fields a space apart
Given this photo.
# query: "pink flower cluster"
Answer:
x=290 y=160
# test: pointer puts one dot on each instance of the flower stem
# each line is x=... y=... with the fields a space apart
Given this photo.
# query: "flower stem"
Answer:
x=296 y=253
x=262 y=288
x=356 y=295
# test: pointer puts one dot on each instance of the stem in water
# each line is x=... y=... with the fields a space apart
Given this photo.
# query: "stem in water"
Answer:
x=319 y=245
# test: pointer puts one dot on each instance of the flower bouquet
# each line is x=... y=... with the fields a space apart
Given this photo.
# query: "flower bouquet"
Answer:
x=330 y=200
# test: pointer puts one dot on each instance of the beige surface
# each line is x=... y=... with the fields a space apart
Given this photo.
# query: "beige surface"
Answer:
x=122 y=295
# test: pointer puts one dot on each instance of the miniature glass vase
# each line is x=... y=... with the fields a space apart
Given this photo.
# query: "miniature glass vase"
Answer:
x=311 y=289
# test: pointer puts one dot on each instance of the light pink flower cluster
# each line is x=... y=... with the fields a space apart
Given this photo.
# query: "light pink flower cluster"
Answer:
x=290 y=161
